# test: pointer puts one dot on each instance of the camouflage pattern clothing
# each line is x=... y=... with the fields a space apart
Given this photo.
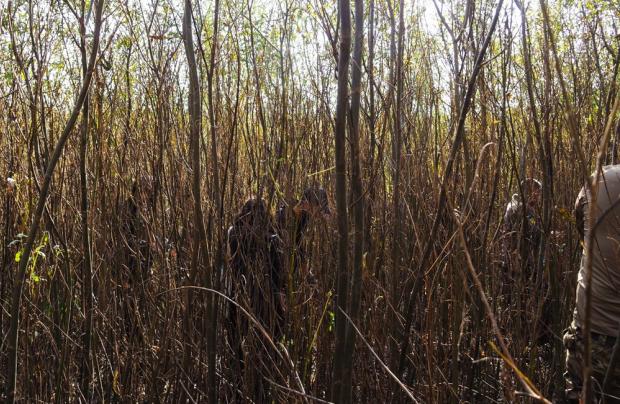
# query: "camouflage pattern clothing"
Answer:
x=522 y=231
x=255 y=277
x=605 y=299
x=602 y=348
x=254 y=280
x=292 y=220
x=525 y=289
x=605 y=315
x=134 y=228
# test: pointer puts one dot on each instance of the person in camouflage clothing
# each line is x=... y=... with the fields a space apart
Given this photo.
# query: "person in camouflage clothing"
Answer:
x=524 y=287
x=259 y=254
x=605 y=298
x=253 y=280
x=292 y=220
x=523 y=228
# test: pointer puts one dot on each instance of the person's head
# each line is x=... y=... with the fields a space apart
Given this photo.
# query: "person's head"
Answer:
x=314 y=201
x=532 y=191
x=253 y=213
x=10 y=183
x=141 y=188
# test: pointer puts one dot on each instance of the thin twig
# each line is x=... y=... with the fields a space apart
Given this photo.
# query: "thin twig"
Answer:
x=383 y=365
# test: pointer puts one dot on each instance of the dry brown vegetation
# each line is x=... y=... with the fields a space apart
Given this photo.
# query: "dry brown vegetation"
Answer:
x=435 y=132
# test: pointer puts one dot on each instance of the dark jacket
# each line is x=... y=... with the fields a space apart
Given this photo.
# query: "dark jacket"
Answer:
x=291 y=227
x=254 y=278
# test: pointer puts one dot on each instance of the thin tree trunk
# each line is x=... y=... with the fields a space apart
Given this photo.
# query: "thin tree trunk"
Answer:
x=195 y=117
x=371 y=88
x=20 y=276
x=341 y=194
x=357 y=203
x=397 y=80
x=87 y=270
x=218 y=197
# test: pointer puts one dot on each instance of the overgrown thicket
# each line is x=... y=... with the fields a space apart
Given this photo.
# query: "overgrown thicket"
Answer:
x=118 y=300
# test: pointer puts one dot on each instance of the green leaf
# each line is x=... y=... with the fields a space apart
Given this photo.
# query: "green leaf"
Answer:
x=331 y=321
